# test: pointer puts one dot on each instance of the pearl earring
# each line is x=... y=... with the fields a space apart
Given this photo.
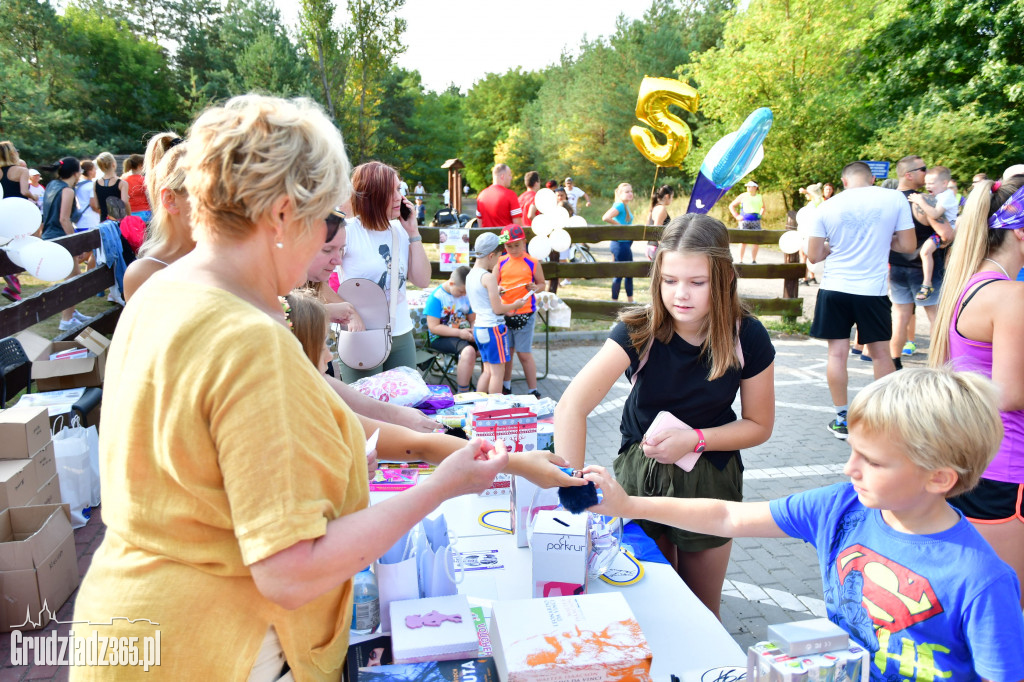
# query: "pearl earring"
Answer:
x=279 y=244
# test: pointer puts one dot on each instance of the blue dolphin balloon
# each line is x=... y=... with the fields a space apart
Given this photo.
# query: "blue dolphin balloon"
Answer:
x=732 y=157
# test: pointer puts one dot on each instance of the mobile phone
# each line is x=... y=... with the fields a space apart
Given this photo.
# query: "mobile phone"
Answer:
x=405 y=211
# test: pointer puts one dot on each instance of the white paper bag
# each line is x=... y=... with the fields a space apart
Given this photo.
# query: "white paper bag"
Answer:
x=396 y=577
x=434 y=560
x=74 y=471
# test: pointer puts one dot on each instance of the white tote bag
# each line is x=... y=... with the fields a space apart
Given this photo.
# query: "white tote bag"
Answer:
x=74 y=470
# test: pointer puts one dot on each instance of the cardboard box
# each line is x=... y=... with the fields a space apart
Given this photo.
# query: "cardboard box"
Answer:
x=432 y=629
x=18 y=483
x=23 y=431
x=527 y=496
x=808 y=636
x=38 y=567
x=591 y=637
x=559 y=548
x=48 y=493
x=54 y=375
x=46 y=463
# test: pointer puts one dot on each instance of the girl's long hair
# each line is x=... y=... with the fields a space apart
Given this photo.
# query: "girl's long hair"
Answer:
x=309 y=320
x=974 y=242
x=690 y=234
x=163 y=170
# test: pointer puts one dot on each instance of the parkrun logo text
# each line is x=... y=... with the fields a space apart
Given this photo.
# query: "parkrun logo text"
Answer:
x=93 y=650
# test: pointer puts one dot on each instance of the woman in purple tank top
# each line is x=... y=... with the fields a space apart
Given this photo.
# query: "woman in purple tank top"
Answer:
x=979 y=326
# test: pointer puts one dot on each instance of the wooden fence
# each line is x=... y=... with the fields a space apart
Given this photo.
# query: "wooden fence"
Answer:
x=37 y=307
x=789 y=305
x=16 y=317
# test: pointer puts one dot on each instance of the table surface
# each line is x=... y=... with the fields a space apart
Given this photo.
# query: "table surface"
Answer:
x=685 y=638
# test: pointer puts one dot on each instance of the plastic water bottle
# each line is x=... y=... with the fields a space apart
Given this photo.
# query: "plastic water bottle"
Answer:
x=366 y=603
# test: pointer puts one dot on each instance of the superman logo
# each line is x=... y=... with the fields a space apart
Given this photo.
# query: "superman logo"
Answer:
x=895 y=597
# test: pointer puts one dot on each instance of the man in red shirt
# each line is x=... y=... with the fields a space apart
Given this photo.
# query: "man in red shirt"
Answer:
x=498 y=206
x=526 y=199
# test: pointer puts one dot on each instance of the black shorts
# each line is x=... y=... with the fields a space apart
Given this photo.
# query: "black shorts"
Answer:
x=450 y=344
x=836 y=312
x=992 y=502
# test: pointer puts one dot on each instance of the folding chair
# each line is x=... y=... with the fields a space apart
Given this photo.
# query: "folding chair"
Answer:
x=436 y=366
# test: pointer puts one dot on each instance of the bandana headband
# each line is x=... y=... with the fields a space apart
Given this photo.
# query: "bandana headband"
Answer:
x=1010 y=215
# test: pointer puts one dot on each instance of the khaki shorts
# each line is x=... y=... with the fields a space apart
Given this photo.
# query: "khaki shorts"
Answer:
x=643 y=476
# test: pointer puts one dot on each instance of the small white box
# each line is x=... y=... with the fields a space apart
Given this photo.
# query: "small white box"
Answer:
x=808 y=636
x=524 y=495
x=559 y=547
x=432 y=629
x=592 y=637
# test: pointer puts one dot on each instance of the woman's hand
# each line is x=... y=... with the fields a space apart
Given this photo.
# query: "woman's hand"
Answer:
x=346 y=314
x=409 y=224
x=540 y=467
x=615 y=501
x=470 y=469
x=669 y=446
x=411 y=418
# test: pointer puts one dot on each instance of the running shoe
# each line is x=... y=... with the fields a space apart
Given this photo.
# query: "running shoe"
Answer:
x=909 y=348
x=837 y=427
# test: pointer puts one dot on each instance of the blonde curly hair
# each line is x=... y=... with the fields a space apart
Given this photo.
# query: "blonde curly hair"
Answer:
x=245 y=155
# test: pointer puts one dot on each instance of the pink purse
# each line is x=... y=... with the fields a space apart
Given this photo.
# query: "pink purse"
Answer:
x=665 y=421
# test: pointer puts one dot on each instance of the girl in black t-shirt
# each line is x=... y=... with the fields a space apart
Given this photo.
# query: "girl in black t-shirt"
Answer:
x=687 y=353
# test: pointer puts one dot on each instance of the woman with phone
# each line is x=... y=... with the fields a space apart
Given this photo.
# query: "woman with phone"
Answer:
x=688 y=353
x=383 y=239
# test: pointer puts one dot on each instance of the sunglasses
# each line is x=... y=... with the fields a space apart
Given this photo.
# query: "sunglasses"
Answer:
x=923 y=169
x=335 y=221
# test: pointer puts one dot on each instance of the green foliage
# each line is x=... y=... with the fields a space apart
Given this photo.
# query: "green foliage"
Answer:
x=793 y=56
x=492 y=106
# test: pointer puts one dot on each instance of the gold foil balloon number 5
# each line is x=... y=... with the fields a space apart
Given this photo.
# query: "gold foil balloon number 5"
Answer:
x=656 y=94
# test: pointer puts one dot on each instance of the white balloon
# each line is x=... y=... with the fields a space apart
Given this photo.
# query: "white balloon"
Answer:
x=46 y=261
x=560 y=240
x=804 y=218
x=539 y=247
x=542 y=224
x=819 y=270
x=18 y=217
x=561 y=216
x=17 y=245
x=577 y=221
x=791 y=242
x=546 y=201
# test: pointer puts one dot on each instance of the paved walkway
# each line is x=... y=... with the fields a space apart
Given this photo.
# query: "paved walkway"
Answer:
x=769 y=581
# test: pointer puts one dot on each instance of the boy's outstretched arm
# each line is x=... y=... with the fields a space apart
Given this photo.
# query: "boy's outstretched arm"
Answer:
x=491 y=282
x=712 y=517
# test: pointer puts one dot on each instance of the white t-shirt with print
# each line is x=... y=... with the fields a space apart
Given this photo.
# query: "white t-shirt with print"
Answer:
x=859 y=224
x=367 y=256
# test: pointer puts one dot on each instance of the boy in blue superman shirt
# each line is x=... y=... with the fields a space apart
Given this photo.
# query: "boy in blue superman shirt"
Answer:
x=904 y=573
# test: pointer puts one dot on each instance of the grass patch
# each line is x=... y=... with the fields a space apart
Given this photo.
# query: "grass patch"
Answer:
x=782 y=325
x=49 y=328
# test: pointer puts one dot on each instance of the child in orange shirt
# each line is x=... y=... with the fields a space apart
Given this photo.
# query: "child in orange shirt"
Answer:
x=518 y=273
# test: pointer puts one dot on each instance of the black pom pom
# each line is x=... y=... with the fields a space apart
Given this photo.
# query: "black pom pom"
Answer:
x=578 y=498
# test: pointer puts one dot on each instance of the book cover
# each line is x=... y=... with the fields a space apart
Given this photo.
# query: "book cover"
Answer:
x=464 y=670
x=367 y=653
x=394 y=479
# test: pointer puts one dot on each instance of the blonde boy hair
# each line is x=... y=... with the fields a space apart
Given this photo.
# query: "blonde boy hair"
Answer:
x=245 y=155
x=940 y=418
x=106 y=162
x=940 y=173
